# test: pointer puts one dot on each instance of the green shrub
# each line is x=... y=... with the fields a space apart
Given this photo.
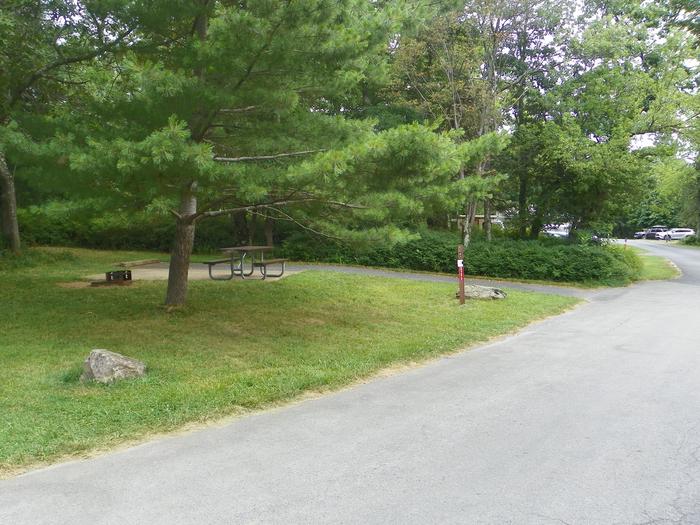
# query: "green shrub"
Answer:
x=78 y=224
x=551 y=260
x=692 y=240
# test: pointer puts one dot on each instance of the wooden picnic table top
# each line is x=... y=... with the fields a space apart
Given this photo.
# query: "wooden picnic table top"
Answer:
x=249 y=248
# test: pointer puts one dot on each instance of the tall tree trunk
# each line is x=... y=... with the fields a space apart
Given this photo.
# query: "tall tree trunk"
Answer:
x=252 y=229
x=535 y=227
x=182 y=248
x=468 y=223
x=522 y=207
x=239 y=223
x=488 y=227
x=181 y=253
x=269 y=236
x=8 y=206
x=466 y=230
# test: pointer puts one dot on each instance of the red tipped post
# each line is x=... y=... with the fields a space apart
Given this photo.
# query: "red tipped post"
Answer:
x=460 y=272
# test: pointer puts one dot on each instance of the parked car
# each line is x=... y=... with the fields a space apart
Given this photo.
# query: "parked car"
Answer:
x=640 y=235
x=651 y=232
x=675 y=234
x=557 y=230
x=556 y=233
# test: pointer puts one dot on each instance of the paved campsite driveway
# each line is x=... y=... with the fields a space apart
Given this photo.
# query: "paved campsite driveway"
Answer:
x=592 y=417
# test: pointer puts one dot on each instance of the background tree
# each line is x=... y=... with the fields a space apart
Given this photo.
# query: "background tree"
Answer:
x=217 y=120
x=41 y=45
x=482 y=67
x=437 y=73
x=586 y=157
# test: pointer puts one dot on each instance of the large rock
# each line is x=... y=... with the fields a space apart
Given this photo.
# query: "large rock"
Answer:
x=472 y=291
x=105 y=366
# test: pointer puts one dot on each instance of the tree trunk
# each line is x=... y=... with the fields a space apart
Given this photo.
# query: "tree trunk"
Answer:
x=466 y=233
x=535 y=227
x=487 y=219
x=185 y=228
x=269 y=237
x=8 y=206
x=252 y=229
x=468 y=222
x=239 y=223
x=182 y=248
x=522 y=207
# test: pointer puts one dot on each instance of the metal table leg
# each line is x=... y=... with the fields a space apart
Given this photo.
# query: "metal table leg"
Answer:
x=241 y=270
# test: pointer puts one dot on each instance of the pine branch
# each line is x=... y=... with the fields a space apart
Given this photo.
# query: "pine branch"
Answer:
x=65 y=61
x=263 y=49
x=268 y=157
x=275 y=205
x=238 y=110
x=229 y=211
x=288 y=217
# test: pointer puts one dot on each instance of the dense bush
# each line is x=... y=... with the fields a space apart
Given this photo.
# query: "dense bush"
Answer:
x=66 y=224
x=547 y=259
x=692 y=240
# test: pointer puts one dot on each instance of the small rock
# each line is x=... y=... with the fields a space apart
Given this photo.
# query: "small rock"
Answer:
x=482 y=292
x=105 y=367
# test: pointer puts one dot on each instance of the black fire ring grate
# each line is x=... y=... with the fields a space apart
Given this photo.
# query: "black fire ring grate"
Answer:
x=118 y=275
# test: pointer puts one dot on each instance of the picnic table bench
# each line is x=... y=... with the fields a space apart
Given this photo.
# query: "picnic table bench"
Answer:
x=263 y=264
x=236 y=260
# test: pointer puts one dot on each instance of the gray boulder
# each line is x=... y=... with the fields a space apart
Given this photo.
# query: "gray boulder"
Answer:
x=472 y=291
x=105 y=367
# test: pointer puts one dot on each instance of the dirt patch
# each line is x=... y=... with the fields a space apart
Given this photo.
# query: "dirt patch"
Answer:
x=74 y=284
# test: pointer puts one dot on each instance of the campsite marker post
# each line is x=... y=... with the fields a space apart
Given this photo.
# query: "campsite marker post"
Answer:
x=460 y=270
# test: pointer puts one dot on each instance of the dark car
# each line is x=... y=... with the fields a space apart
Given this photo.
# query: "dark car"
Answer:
x=651 y=232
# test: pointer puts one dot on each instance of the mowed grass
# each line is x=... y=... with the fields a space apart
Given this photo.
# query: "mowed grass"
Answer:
x=656 y=268
x=237 y=346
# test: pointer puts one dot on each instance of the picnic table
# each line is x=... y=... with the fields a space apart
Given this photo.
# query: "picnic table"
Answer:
x=236 y=257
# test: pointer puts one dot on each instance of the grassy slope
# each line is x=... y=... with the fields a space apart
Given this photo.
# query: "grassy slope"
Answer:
x=238 y=345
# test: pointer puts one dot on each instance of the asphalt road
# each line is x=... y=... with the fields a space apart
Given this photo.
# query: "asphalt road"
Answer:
x=592 y=417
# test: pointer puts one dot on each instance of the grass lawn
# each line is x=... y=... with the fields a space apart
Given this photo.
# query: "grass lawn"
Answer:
x=237 y=346
x=655 y=267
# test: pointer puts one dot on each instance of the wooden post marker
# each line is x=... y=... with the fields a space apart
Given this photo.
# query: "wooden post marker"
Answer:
x=460 y=272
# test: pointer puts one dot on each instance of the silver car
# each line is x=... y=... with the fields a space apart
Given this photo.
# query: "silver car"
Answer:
x=675 y=234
